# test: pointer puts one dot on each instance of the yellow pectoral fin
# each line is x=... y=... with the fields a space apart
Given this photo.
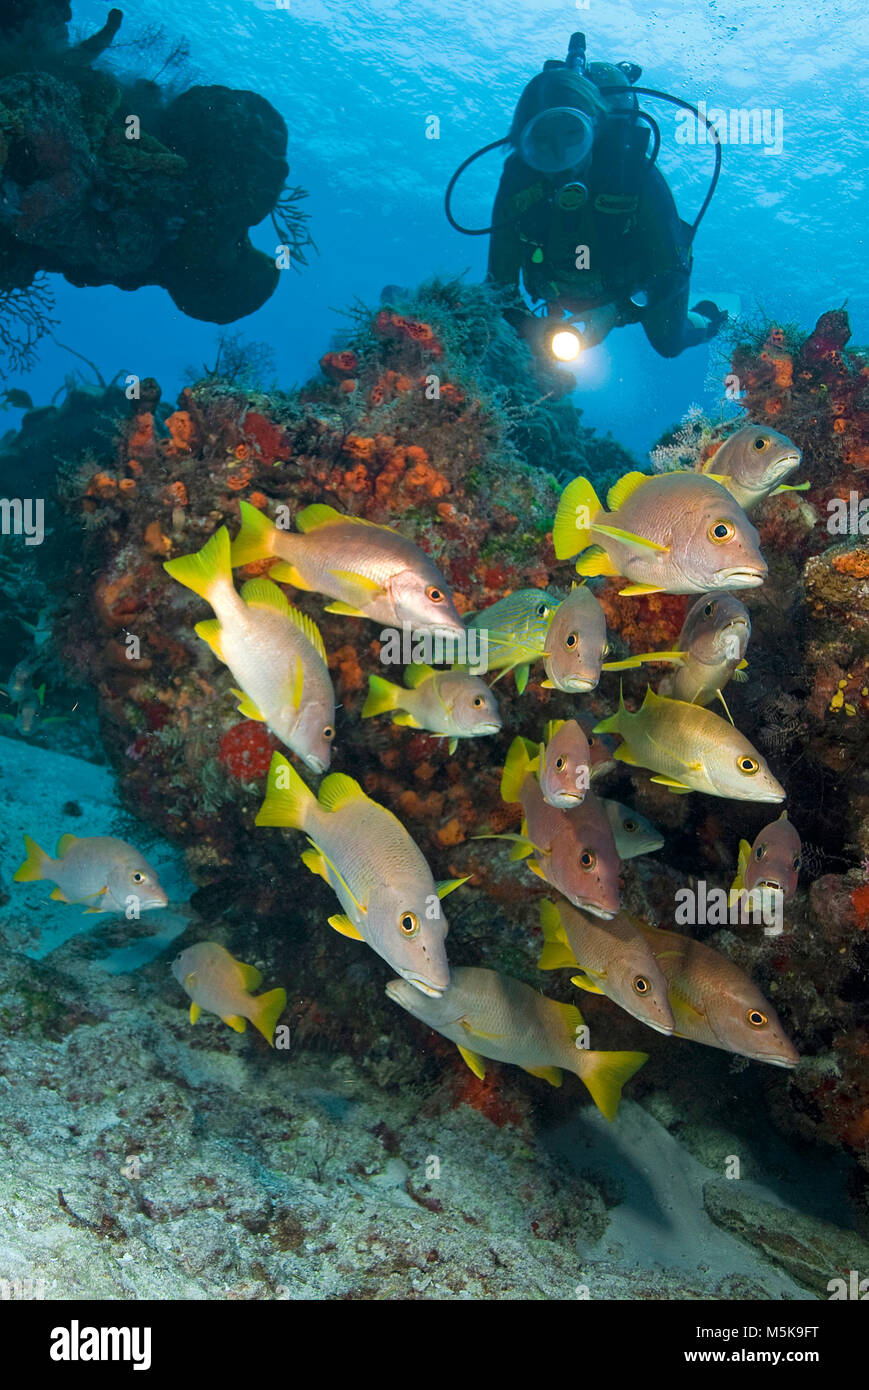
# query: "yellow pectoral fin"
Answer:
x=678 y=787
x=585 y=982
x=341 y=923
x=790 y=487
x=195 y=1012
x=641 y=658
x=639 y=543
x=724 y=703
x=236 y=1022
x=478 y=1032
x=474 y=1061
x=359 y=590
x=550 y=1074
x=634 y=590
x=344 y=609
x=520 y=674
x=246 y=705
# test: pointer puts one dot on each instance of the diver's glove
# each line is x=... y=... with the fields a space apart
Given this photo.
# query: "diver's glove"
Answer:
x=717 y=317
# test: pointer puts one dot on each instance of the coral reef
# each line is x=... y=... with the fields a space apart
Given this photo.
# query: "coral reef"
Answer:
x=428 y=414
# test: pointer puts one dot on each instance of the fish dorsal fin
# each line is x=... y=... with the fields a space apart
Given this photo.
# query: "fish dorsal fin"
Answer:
x=551 y=729
x=64 y=845
x=623 y=489
x=339 y=790
x=416 y=673
x=262 y=593
x=473 y=1060
x=251 y=978
x=783 y=816
x=308 y=628
x=317 y=515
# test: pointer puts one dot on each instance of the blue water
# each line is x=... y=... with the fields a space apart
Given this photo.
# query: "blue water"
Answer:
x=356 y=84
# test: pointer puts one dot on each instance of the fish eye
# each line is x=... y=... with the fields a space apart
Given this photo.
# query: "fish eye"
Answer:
x=137 y=876
x=760 y=852
x=748 y=765
x=641 y=985
x=478 y=702
x=588 y=859
x=721 y=531
x=560 y=764
x=408 y=923
x=760 y=443
x=797 y=863
x=756 y=1018
x=328 y=733
x=709 y=610
x=571 y=641
x=435 y=594
x=629 y=825
x=542 y=610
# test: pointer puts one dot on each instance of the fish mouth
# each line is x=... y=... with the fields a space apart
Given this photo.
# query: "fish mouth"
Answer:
x=582 y=684
x=569 y=799
x=597 y=911
x=162 y=901
x=424 y=987
x=774 y=1061
x=314 y=763
x=770 y=884
x=658 y=1027
x=483 y=729
x=786 y=465
x=741 y=576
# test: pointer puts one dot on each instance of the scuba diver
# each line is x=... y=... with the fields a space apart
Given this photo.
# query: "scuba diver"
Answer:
x=586 y=218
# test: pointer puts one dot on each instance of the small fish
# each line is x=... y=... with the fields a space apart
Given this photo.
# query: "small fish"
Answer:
x=516 y=629
x=274 y=652
x=452 y=704
x=691 y=749
x=366 y=856
x=574 y=850
x=369 y=571
x=20 y=682
x=714 y=1002
x=773 y=862
x=105 y=874
x=564 y=770
x=615 y=960
x=575 y=642
x=713 y=643
x=674 y=533
x=753 y=463
x=601 y=753
x=488 y=1015
x=633 y=834
x=222 y=985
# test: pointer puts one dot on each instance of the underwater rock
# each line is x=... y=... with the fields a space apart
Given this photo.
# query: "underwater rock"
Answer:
x=107 y=181
x=811 y=1251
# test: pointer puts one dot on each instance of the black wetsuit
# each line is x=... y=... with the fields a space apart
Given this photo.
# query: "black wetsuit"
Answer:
x=636 y=241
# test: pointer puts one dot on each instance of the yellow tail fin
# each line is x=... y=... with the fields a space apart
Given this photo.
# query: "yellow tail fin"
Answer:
x=382 y=696
x=578 y=505
x=288 y=801
x=34 y=866
x=255 y=540
x=266 y=1009
x=206 y=568
x=556 y=951
x=521 y=759
x=605 y=1073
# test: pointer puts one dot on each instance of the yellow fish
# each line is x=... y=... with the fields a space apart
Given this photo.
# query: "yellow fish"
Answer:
x=220 y=984
x=488 y=1015
x=451 y=704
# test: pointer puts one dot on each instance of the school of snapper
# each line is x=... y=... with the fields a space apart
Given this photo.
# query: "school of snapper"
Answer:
x=677 y=533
